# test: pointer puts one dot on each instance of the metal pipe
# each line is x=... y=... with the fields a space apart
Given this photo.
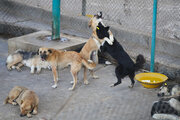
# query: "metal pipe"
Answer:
x=153 y=36
x=84 y=7
x=56 y=20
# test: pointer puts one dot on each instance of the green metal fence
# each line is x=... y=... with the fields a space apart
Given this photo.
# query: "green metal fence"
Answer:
x=129 y=14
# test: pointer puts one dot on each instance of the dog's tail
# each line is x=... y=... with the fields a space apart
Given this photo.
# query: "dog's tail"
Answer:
x=139 y=62
x=89 y=64
x=6 y=100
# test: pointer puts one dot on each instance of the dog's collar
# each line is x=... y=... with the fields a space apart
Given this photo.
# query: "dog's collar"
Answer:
x=96 y=41
x=21 y=93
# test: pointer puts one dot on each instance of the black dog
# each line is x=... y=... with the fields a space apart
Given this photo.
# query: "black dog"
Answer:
x=125 y=64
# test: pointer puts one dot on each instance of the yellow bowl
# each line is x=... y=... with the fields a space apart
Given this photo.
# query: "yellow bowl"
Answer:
x=151 y=80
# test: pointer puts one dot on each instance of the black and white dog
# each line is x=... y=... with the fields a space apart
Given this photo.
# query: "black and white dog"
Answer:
x=169 y=91
x=126 y=67
x=168 y=107
x=166 y=110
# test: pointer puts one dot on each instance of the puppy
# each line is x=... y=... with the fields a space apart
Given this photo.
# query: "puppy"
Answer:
x=26 y=99
x=125 y=64
x=58 y=58
x=90 y=49
x=166 y=110
x=29 y=59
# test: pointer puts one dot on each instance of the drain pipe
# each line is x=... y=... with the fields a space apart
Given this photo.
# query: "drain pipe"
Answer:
x=153 y=36
x=56 y=20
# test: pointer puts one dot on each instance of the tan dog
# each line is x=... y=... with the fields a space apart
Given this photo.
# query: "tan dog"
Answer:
x=93 y=44
x=58 y=58
x=26 y=99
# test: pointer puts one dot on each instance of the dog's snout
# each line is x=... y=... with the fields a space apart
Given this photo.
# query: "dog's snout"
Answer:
x=43 y=56
x=160 y=94
x=21 y=115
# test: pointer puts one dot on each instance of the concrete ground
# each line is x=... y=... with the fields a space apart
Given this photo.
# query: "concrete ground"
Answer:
x=96 y=101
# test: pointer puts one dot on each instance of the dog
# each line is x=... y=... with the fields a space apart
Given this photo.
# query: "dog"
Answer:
x=126 y=66
x=168 y=106
x=25 y=98
x=169 y=91
x=58 y=58
x=166 y=110
x=90 y=49
x=30 y=59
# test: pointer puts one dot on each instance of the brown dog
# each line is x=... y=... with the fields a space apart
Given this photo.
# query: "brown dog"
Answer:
x=26 y=99
x=58 y=58
x=92 y=45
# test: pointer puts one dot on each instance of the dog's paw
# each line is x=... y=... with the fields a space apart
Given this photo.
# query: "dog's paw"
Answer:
x=108 y=63
x=54 y=86
x=32 y=72
x=9 y=69
x=29 y=115
x=71 y=89
x=72 y=82
x=38 y=71
x=90 y=61
x=13 y=67
x=86 y=82
x=109 y=41
x=131 y=86
x=34 y=112
x=112 y=85
x=95 y=77
x=14 y=103
x=18 y=69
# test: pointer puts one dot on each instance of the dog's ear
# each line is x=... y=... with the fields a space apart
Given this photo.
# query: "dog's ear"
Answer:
x=50 y=51
x=99 y=15
x=38 y=52
x=107 y=28
x=90 y=23
x=21 y=102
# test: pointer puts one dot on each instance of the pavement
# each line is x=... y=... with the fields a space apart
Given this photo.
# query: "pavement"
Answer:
x=24 y=19
x=96 y=101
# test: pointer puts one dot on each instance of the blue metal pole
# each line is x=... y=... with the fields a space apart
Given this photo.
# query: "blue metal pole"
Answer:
x=153 y=36
x=84 y=7
x=56 y=19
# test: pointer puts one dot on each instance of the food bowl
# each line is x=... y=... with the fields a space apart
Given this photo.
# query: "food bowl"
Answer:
x=151 y=80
